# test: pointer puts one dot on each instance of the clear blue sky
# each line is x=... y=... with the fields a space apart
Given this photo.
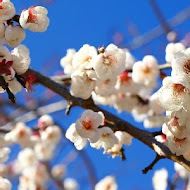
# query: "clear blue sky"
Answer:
x=76 y=22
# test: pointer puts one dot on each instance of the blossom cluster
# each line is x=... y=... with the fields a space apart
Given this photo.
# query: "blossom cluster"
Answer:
x=12 y=32
x=112 y=77
x=30 y=162
x=174 y=97
x=91 y=127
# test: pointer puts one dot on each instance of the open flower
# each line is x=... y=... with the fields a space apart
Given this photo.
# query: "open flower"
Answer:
x=87 y=125
x=107 y=139
x=146 y=71
x=75 y=138
x=110 y=63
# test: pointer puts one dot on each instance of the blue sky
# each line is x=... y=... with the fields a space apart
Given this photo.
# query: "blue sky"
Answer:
x=74 y=23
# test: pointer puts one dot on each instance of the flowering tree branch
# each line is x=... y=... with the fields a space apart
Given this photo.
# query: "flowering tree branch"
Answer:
x=118 y=124
x=32 y=114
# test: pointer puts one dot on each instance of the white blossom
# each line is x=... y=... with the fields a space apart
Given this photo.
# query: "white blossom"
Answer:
x=14 y=35
x=7 y=10
x=83 y=58
x=173 y=96
x=35 y=19
x=27 y=158
x=81 y=85
x=66 y=62
x=74 y=137
x=160 y=179
x=87 y=125
x=107 y=139
x=51 y=135
x=70 y=184
x=45 y=121
x=42 y=152
x=58 y=171
x=21 y=59
x=4 y=154
x=109 y=64
x=107 y=183
x=146 y=71
x=172 y=49
x=182 y=172
x=5 y=184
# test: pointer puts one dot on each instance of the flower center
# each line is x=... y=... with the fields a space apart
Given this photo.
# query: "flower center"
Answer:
x=87 y=125
x=186 y=67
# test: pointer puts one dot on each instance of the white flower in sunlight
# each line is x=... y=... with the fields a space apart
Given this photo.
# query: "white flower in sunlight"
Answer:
x=146 y=71
x=130 y=60
x=176 y=145
x=107 y=183
x=87 y=125
x=178 y=123
x=111 y=63
x=2 y=30
x=108 y=100
x=4 y=154
x=83 y=58
x=181 y=68
x=126 y=102
x=42 y=152
x=35 y=19
x=75 y=138
x=160 y=179
x=51 y=135
x=123 y=137
x=154 y=121
x=36 y=175
x=14 y=35
x=20 y=134
x=7 y=10
x=66 y=62
x=107 y=139
x=172 y=49
x=5 y=54
x=45 y=121
x=105 y=87
x=21 y=59
x=173 y=96
x=81 y=85
x=27 y=158
x=58 y=171
x=70 y=184
x=5 y=184
x=125 y=84
x=154 y=102
x=182 y=172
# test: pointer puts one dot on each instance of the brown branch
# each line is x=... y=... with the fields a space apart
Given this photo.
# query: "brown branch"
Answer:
x=119 y=124
x=156 y=32
x=160 y=16
x=157 y=133
x=151 y=165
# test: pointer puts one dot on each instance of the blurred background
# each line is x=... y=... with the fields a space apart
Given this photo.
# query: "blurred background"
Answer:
x=144 y=27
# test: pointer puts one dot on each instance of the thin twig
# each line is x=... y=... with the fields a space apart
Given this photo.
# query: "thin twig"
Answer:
x=151 y=165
